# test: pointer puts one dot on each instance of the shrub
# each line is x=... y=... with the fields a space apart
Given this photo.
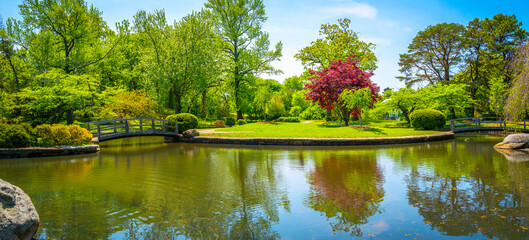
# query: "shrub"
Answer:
x=295 y=111
x=230 y=121
x=80 y=136
x=313 y=113
x=58 y=135
x=16 y=136
x=220 y=123
x=291 y=119
x=427 y=119
x=185 y=121
x=241 y=122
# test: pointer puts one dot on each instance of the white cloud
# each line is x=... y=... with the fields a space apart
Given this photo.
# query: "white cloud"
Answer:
x=361 y=10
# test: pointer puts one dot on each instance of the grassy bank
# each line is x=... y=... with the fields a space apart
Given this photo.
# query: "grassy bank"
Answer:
x=317 y=129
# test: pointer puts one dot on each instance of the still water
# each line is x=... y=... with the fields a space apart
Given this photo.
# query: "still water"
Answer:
x=142 y=188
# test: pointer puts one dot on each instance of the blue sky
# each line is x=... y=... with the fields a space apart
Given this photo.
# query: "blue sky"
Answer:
x=390 y=24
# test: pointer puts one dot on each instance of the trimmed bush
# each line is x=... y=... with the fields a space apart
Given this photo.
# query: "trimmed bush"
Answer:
x=60 y=135
x=291 y=119
x=185 y=121
x=230 y=121
x=427 y=119
x=295 y=111
x=16 y=136
x=241 y=122
x=313 y=113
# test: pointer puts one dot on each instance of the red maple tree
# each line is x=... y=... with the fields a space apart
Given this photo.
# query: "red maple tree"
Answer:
x=326 y=85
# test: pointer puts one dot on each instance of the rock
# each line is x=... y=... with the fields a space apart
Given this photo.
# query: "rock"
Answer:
x=514 y=155
x=514 y=141
x=18 y=217
x=190 y=133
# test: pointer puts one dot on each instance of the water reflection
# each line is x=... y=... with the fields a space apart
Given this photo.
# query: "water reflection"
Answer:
x=346 y=188
x=144 y=189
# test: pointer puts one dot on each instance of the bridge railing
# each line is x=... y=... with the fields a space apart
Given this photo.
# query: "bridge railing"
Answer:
x=486 y=123
x=131 y=126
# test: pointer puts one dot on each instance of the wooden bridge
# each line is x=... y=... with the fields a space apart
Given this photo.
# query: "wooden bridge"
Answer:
x=131 y=127
x=487 y=124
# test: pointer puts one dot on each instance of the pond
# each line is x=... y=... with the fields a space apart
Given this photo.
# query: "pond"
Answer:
x=143 y=188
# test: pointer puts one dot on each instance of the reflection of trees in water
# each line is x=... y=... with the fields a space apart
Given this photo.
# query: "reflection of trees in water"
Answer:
x=462 y=189
x=347 y=189
x=188 y=190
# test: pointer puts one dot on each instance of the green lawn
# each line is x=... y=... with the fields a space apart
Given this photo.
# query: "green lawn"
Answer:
x=317 y=129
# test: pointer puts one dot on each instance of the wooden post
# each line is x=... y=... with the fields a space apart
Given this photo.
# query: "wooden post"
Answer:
x=127 y=126
x=88 y=126
x=524 y=128
x=451 y=124
x=98 y=132
x=141 y=125
x=163 y=124
x=153 y=127
x=176 y=127
x=115 y=129
x=475 y=122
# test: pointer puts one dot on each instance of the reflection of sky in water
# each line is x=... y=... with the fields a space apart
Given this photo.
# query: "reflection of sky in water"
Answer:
x=143 y=188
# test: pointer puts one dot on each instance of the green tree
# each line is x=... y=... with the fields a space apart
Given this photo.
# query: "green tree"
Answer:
x=177 y=58
x=518 y=100
x=338 y=41
x=445 y=98
x=498 y=90
x=357 y=99
x=247 y=45
x=433 y=55
x=406 y=100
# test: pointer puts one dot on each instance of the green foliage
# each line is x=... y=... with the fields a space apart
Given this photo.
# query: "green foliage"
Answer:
x=185 y=121
x=241 y=122
x=498 y=95
x=433 y=54
x=276 y=108
x=299 y=99
x=445 y=97
x=314 y=112
x=295 y=111
x=61 y=135
x=133 y=104
x=427 y=119
x=291 y=119
x=357 y=99
x=338 y=41
x=219 y=123
x=246 y=44
x=16 y=136
x=230 y=121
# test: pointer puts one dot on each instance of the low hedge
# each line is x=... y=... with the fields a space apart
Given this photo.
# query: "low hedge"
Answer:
x=62 y=135
x=185 y=121
x=230 y=121
x=23 y=135
x=427 y=119
x=241 y=122
x=291 y=119
x=16 y=136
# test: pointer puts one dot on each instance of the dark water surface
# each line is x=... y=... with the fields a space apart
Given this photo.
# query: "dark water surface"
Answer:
x=142 y=188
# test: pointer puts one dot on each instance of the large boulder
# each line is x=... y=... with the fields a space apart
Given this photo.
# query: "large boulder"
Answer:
x=514 y=141
x=18 y=217
x=191 y=133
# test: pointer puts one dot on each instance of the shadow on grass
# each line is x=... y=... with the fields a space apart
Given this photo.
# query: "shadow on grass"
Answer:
x=331 y=125
x=377 y=131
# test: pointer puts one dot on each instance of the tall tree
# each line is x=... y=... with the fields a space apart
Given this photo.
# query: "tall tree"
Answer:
x=518 y=101
x=177 y=58
x=338 y=42
x=326 y=85
x=433 y=55
x=239 y=23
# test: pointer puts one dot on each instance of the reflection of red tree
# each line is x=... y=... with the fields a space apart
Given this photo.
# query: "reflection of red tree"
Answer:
x=347 y=188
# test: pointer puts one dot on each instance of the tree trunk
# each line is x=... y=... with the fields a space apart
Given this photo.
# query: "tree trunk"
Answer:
x=14 y=73
x=178 y=103
x=345 y=116
x=171 y=96
x=203 y=107
x=452 y=113
x=69 y=116
x=237 y=96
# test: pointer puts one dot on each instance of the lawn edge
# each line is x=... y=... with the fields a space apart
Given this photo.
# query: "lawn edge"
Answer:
x=321 y=141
